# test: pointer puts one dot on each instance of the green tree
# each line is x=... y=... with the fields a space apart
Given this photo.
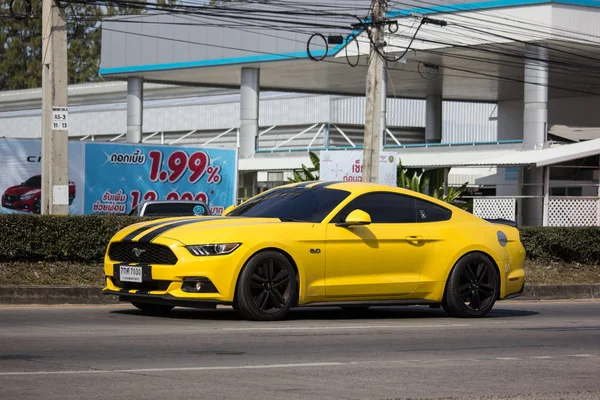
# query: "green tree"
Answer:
x=21 y=35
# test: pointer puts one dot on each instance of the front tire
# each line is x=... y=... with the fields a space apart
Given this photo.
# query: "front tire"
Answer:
x=152 y=308
x=267 y=287
x=472 y=288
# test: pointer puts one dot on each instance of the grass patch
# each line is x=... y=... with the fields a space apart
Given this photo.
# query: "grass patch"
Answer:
x=557 y=273
x=51 y=274
x=78 y=274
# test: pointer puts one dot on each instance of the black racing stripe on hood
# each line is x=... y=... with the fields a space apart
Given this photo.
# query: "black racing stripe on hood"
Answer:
x=155 y=233
x=143 y=229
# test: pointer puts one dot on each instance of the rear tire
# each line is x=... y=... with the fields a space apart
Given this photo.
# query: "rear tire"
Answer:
x=153 y=308
x=472 y=288
x=267 y=287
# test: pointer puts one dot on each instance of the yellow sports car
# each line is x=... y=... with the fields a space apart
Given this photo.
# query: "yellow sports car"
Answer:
x=319 y=243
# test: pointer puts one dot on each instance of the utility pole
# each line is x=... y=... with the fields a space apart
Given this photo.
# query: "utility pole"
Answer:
x=55 y=115
x=373 y=126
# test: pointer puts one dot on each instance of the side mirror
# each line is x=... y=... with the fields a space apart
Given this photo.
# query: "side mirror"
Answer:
x=356 y=217
x=228 y=210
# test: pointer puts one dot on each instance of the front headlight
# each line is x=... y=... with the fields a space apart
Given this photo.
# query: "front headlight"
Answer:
x=212 y=249
x=26 y=196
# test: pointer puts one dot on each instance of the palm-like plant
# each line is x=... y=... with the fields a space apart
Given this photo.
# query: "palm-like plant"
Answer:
x=430 y=182
x=306 y=173
x=417 y=180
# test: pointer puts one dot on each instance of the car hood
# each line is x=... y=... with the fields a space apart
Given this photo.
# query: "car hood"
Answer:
x=20 y=190
x=186 y=230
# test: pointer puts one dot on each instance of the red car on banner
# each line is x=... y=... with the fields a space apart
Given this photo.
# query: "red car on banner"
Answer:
x=26 y=197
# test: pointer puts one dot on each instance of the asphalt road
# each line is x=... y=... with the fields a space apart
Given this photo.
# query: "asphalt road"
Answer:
x=528 y=350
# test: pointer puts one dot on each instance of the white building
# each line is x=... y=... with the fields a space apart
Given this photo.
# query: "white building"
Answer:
x=536 y=60
x=291 y=124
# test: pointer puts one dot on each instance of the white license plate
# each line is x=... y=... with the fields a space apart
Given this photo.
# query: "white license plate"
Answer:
x=130 y=274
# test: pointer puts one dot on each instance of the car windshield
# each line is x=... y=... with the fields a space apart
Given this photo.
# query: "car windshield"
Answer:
x=292 y=204
x=34 y=181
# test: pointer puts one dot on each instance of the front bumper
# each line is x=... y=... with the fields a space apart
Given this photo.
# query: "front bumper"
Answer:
x=218 y=275
x=19 y=205
x=164 y=299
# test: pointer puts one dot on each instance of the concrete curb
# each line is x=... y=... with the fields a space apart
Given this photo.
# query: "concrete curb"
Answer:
x=577 y=291
x=93 y=294
x=54 y=295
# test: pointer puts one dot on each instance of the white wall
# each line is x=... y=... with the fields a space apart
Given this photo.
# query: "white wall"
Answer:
x=510 y=120
x=571 y=111
x=575 y=111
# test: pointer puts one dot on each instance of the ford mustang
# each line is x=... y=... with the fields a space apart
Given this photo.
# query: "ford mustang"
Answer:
x=319 y=243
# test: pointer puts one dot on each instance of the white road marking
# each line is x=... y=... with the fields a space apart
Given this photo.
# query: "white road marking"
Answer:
x=581 y=355
x=251 y=367
x=318 y=328
x=542 y=357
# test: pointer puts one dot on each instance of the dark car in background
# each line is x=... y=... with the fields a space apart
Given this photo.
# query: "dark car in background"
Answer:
x=26 y=197
x=170 y=208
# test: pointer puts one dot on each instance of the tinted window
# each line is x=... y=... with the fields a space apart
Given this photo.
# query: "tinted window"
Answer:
x=382 y=207
x=429 y=212
x=175 y=209
x=297 y=204
x=34 y=181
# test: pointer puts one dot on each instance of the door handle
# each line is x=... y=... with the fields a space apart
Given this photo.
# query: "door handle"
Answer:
x=414 y=238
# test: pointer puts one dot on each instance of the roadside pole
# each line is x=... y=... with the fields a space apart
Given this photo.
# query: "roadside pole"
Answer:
x=55 y=115
x=373 y=127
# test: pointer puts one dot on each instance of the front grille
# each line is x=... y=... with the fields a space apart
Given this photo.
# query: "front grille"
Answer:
x=8 y=197
x=145 y=286
x=133 y=252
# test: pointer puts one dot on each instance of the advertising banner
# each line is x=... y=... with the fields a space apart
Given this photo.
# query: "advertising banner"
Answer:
x=21 y=181
x=347 y=165
x=120 y=176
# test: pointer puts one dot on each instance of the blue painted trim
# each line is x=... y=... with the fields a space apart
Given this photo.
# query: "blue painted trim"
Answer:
x=209 y=63
x=336 y=49
x=393 y=146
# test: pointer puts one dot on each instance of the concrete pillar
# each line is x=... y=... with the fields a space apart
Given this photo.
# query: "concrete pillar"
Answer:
x=535 y=109
x=433 y=119
x=135 y=109
x=535 y=122
x=384 y=106
x=249 y=90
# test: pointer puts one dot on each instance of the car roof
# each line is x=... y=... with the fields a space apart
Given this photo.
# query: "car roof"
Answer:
x=354 y=187
x=364 y=187
x=173 y=202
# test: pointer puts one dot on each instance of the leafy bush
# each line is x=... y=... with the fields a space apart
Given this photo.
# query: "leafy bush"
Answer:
x=58 y=238
x=571 y=245
x=83 y=239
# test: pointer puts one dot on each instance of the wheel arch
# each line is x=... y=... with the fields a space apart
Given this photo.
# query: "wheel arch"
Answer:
x=284 y=253
x=485 y=253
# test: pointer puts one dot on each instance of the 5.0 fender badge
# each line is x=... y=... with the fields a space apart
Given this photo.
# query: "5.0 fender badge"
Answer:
x=315 y=251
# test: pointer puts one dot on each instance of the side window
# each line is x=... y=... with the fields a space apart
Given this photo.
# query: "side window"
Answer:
x=429 y=212
x=383 y=208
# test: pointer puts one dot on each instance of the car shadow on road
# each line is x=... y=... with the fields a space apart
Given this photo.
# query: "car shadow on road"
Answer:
x=325 y=313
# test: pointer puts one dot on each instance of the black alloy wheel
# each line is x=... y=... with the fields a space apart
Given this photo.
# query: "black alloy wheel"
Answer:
x=473 y=287
x=267 y=287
